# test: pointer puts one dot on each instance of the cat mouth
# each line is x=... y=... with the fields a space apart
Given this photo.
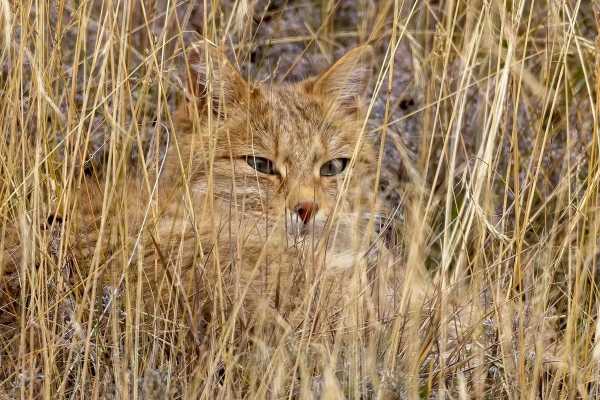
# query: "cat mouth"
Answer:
x=300 y=230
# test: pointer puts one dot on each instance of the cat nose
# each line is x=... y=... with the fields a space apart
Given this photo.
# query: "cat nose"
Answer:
x=306 y=210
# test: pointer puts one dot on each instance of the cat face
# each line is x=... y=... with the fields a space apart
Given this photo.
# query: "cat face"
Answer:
x=291 y=154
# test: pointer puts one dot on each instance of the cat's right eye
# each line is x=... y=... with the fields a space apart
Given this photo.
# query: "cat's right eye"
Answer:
x=261 y=164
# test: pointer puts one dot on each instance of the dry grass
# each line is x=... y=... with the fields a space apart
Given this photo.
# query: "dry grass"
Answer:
x=487 y=117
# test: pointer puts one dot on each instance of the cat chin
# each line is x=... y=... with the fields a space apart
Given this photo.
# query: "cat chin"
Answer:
x=317 y=235
x=341 y=238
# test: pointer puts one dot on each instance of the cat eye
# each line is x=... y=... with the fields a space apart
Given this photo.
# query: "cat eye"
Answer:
x=261 y=164
x=334 y=167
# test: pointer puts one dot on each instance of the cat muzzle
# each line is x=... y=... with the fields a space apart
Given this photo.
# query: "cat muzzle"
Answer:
x=306 y=210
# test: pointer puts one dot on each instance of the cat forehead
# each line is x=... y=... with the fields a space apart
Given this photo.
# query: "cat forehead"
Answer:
x=287 y=117
x=289 y=105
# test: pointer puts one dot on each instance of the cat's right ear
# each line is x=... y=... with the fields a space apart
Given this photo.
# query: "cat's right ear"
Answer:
x=213 y=77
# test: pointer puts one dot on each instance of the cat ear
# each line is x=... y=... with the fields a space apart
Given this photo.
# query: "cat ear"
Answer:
x=346 y=81
x=214 y=77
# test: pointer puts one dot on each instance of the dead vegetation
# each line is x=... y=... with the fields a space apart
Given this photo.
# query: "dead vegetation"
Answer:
x=486 y=115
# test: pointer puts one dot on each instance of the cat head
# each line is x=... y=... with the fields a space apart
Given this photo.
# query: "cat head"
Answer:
x=277 y=151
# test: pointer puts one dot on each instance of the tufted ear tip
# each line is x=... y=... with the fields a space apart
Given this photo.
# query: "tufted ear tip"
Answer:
x=347 y=80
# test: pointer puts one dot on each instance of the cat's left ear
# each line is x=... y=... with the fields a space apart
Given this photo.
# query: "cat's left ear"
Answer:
x=346 y=82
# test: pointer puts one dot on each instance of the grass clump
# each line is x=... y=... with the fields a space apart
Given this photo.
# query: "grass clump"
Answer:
x=486 y=118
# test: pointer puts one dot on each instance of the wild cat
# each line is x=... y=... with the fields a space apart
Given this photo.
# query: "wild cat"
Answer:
x=266 y=200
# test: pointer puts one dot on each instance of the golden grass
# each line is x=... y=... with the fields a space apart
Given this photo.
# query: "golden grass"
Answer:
x=500 y=213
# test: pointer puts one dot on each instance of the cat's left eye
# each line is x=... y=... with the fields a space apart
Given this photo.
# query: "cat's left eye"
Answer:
x=262 y=164
x=334 y=167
